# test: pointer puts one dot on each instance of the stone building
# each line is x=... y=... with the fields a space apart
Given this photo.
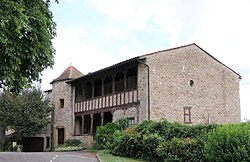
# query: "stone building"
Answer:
x=183 y=84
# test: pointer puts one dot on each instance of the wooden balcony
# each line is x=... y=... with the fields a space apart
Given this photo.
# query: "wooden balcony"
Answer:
x=108 y=101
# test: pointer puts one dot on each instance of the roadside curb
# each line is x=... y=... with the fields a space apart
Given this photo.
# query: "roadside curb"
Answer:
x=97 y=156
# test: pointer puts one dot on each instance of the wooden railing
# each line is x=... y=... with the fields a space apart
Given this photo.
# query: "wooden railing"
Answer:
x=112 y=100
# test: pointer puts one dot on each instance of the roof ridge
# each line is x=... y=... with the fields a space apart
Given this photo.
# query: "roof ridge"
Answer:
x=69 y=73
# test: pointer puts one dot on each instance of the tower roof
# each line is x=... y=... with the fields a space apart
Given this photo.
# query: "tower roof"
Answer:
x=68 y=74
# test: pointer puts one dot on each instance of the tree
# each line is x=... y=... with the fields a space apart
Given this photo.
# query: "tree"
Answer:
x=26 y=31
x=26 y=113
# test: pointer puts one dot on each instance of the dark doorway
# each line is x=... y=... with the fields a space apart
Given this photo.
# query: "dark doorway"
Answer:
x=87 y=124
x=97 y=121
x=60 y=136
x=107 y=118
x=78 y=125
x=33 y=144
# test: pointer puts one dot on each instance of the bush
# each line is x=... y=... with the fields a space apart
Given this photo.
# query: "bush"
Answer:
x=179 y=149
x=104 y=138
x=229 y=143
x=68 y=148
x=150 y=143
x=8 y=147
x=72 y=142
x=142 y=140
x=129 y=144
x=122 y=124
x=137 y=145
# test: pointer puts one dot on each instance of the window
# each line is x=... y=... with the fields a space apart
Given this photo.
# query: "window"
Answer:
x=191 y=83
x=61 y=103
x=187 y=115
x=131 y=121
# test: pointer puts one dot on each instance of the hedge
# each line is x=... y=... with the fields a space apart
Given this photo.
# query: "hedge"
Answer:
x=229 y=142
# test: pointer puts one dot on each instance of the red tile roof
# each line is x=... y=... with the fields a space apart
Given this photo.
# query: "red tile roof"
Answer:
x=70 y=73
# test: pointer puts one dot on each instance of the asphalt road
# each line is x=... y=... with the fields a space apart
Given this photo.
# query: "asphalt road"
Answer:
x=47 y=157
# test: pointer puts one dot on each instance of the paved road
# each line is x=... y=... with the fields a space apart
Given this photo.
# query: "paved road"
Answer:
x=47 y=157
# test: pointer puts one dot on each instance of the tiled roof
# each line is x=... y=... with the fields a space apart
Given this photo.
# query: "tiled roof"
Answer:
x=70 y=73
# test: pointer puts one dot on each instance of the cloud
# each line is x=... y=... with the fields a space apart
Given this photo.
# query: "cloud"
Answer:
x=71 y=48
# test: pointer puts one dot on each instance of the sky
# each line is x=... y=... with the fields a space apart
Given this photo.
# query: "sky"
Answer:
x=94 y=34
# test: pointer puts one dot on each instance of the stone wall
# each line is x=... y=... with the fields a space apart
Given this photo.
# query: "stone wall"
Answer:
x=63 y=115
x=142 y=87
x=131 y=112
x=86 y=139
x=213 y=94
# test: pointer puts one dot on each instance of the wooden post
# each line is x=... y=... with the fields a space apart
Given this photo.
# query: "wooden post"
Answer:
x=82 y=129
x=102 y=118
x=102 y=87
x=93 y=88
x=113 y=83
x=92 y=123
x=125 y=80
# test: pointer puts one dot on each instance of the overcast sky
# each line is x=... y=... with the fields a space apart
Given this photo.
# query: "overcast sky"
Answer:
x=93 y=34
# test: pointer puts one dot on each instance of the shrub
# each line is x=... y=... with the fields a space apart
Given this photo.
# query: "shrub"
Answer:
x=104 y=136
x=129 y=144
x=72 y=142
x=150 y=143
x=229 y=143
x=142 y=140
x=122 y=124
x=68 y=148
x=179 y=149
x=8 y=147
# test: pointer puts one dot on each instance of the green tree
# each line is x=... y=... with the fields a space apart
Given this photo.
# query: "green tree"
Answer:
x=26 y=31
x=26 y=113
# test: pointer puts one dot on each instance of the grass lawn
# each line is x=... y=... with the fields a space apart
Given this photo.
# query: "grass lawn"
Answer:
x=106 y=156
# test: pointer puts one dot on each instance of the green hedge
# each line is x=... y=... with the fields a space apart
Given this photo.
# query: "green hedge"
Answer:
x=165 y=141
x=229 y=143
x=68 y=148
x=72 y=142
x=151 y=140
x=181 y=149
x=155 y=141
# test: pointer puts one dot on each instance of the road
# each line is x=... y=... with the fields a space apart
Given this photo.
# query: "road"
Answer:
x=47 y=157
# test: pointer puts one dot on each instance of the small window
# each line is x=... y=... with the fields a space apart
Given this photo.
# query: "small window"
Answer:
x=187 y=115
x=191 y=83
x=61 y=103
x=131 y=121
